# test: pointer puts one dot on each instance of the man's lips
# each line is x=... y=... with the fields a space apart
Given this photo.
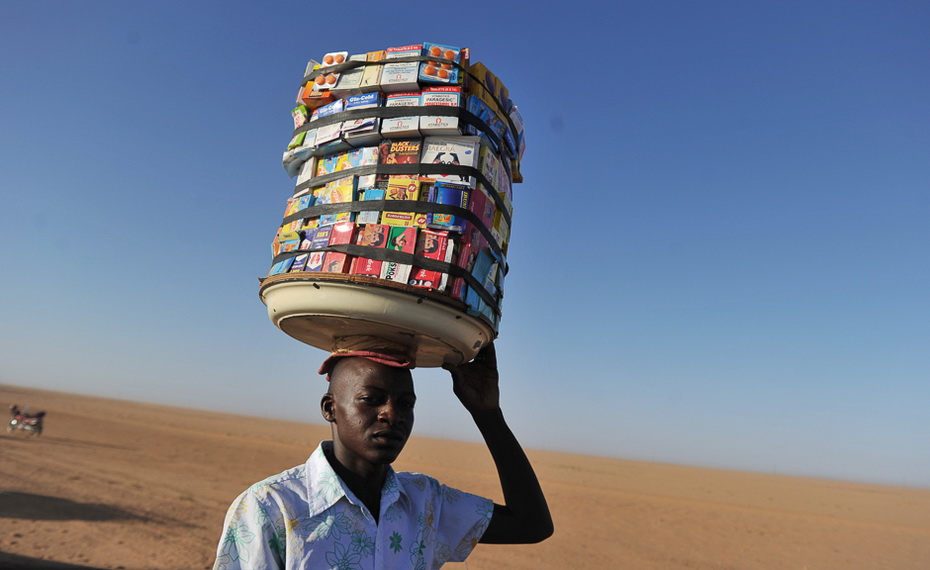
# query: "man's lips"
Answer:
x=390 y=435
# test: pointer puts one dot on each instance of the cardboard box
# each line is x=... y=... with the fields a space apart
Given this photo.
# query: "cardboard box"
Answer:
x=307 y=170
x=299 y=263
x=402 y=187
x=436 y=245
x=371 y=79
x=363 y=131
x=337 y=191
x=370 y=216
x=441 y=97
x=301 y=115
x=375 y=236
x=454 y=151
x=312 y=98
x=402 y=151
x=350 y=81
x=400 y=76
x=443 y=193
x=336 y=262
x=401 y=239
x=464 y=259
x=281 y=267
x=399 y=127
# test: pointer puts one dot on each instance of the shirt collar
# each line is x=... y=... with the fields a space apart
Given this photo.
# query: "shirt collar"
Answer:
x=325 y=488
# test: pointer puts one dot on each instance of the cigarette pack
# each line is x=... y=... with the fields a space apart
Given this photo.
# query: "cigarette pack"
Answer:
x=436 y=245
x=371 y=216
x=401 y=126
x=444 y=193
x=371 y=79
x=403 y=151
x=401 y=239
x=400 y=76
x=443 y=69
x=336 y=262
x=350 y=80
x=443 y=97
x=453 y=151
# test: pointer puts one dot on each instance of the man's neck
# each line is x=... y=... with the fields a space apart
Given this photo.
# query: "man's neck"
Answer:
x=367 y=486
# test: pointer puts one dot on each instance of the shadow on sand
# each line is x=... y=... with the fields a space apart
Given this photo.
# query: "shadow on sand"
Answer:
x=15 y=505
x=14 y=561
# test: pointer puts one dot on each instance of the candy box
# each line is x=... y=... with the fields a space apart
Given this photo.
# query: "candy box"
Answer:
x=400 y=76
x=401 y=126
x=400 y=239
x=337 y=191
x=443 y=97
x=371 y=79
x=403 y=151
x=444 y=68
x=453 y=151
x=336 y=262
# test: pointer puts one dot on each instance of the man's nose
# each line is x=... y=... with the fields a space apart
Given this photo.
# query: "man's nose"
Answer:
x=389 y=412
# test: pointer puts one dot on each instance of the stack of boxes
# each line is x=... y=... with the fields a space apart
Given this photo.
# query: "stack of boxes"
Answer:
x=404 y=160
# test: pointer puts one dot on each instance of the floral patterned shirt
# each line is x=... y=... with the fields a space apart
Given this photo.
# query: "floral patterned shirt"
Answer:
x=306 y=517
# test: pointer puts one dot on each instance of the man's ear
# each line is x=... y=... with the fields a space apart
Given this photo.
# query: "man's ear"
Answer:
x=328 y=408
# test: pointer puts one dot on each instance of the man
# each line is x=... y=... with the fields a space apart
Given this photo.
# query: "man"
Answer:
x=347 y=508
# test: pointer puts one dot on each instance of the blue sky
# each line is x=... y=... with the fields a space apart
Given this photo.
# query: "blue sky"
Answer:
x=719 y=252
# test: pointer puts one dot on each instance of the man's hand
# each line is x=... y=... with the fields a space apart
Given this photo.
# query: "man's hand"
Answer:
x=476 y=383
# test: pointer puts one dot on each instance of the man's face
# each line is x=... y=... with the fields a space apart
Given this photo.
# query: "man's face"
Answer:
x=370 y=407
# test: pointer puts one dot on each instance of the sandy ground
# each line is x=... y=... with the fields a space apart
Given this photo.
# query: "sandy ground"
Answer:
x=126 y=485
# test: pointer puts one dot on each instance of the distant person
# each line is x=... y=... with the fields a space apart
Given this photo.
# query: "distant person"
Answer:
x=346 y=507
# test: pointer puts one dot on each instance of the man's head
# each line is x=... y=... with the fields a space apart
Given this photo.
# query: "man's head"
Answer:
x=369 y=406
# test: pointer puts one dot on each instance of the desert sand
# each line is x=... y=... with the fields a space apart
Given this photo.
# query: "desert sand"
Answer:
x=114 y=484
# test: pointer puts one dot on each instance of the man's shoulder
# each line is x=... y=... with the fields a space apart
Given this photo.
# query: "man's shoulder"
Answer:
x=287 y=478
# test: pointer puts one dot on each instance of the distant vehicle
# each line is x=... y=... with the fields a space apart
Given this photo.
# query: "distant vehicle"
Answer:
x=25 y=421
